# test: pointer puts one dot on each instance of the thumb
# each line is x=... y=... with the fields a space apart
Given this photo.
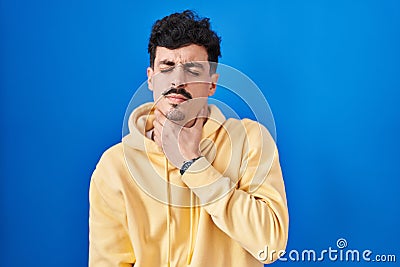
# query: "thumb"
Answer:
x=201 y=117
x=203 y=112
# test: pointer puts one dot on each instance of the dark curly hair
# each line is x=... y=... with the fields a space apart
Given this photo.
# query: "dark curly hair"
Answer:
x=183 y=29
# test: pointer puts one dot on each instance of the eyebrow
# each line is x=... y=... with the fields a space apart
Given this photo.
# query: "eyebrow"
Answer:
x=187 y=65
x=194 y=64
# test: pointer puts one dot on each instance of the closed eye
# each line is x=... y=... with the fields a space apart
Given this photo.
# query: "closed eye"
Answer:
x=194 y=68
x=193 y=72
x=168 y=69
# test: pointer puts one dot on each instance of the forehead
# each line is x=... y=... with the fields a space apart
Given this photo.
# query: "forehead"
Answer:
x=181 y=55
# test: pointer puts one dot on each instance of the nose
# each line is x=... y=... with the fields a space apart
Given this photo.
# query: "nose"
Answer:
x=179 y=79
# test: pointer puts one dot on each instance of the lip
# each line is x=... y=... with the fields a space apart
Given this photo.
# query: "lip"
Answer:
x=176 y=98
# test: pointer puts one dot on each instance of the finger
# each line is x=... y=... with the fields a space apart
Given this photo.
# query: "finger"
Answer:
x=157 y=112
x=157 y=129
x=201 y=117
x=199 y=123
x=160 y=117
x=203 y=113
x=157 y=140
x=157 y=124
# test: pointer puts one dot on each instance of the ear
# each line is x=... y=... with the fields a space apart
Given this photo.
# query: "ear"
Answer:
x=214 y=80
x=150 y=72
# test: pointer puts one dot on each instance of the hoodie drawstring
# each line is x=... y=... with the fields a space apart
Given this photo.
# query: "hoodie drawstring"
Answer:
x=168 y=214
x=193 y=220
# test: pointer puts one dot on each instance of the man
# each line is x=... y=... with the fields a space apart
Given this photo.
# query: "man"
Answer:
x=187 y=187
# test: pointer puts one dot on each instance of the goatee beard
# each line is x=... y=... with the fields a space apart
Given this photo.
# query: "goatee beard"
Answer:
x=175 y=114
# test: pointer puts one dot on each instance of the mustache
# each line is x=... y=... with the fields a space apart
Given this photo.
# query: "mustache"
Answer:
x=178 y=91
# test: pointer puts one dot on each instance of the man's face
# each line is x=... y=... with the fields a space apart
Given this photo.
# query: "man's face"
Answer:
x=179 y=75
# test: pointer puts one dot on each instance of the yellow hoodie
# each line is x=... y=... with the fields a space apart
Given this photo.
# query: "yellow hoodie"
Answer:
x=226 y=208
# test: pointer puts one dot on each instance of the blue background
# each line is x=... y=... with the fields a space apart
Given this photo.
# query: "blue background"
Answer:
x=329 y=69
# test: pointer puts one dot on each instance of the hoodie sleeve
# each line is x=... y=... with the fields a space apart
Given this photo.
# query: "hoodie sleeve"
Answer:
x=108 y=237
x=254 y=211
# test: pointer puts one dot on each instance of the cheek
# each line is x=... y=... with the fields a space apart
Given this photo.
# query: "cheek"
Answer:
x=156 y=94
x=161 y=83
x=159 y=100
x=199 y=90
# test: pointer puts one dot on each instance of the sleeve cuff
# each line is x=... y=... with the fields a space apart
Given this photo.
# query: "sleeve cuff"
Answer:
x=206 y=182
